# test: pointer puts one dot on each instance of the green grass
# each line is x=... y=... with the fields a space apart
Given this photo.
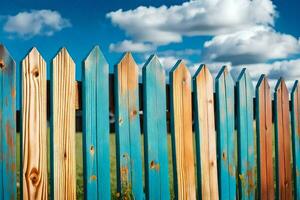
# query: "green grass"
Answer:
x=79 y=165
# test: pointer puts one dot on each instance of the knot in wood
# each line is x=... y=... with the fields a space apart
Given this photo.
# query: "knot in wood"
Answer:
x=33 y=176
x=2 y=64
x=35 y=72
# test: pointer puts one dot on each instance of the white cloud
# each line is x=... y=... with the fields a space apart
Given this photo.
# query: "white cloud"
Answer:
x=289 y=70
x=128 y=45
x=36 y=22
x=256 y=45
x=164 y=25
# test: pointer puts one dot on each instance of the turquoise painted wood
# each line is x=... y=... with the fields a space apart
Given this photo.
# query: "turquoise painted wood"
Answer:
x=245 y=135
x=128 y=136
x=96 y=126
x=295 y=117
x=226 y=137
x=155 y=130
x=8 y=187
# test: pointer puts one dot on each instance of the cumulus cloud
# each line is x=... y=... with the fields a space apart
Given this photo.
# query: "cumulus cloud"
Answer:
x=164 y=25
x=289 y=70
x=255 y=45
x=128 y=45
x=36 y=22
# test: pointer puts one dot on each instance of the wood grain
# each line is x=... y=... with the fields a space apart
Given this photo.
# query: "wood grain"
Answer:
x=63 y=126
x=226 y=137
x=246 y=140
x=181 y=132
x=8 y=189
x=34 y=127
x=96 y=126
x=156 y=144
x=207 y=174
x=295 y=114
x=264 y=140
x=128 y=136
x=283 y=142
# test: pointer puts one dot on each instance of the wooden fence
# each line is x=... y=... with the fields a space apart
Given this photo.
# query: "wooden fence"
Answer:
x=234 y=156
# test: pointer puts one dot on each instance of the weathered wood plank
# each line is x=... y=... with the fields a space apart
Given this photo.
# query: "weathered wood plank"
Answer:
x=8 y=189
x=246 y=154
x=128 y=136
x=156 y=146
x=181 y=132
x=295 y=100
x=226 y=136
x=207 y=172
x=264 y=135
x=63 y=127
x=34 y=127
x=282 y=142
x=96 y=126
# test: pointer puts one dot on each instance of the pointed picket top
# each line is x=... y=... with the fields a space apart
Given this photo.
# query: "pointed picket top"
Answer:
x=180 y=65
x=281 y=86
x=295 y=87
x=152 y=62
x=245 y=76
x=263 y=83
x=34 y=62
x=5 y=58
x=95 y=56
x=63 y=52
x=225 y=73
x=202 y=71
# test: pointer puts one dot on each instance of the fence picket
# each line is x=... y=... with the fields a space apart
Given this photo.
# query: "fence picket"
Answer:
x=264 y=135
x=63 y=165
x=181 y=132
x=34 y=127
x=8 y=189
x=295 y=102
x=96 y=126
x=155 y=134
x=226 y=136
x=128 y=136
x=282 y=140
x=246 y=149
x=207 y=174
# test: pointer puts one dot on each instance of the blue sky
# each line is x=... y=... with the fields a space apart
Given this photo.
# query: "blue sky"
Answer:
x=262 y=35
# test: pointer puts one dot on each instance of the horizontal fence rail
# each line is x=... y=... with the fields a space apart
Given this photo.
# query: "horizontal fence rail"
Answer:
x=229 y=139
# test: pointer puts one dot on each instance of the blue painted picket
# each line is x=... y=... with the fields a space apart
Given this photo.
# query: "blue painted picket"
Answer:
x=128 y=136
x=155 y=130
x=8 y=189
x=96 y=126
x=246 y=149
x=295 y=117
x=226 y=137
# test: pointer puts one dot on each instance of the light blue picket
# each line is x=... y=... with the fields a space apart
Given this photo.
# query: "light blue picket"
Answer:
x=155 y=130
x=8 y=189
x=96 y=126
x=295 y=117
x=246 y=157
x=226 y=138
x=128 y=136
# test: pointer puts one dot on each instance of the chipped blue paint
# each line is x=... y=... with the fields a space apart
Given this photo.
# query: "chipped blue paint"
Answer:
x=155 y=134
x=226 y=138
x=128 y=136
x=8 y=189
x=246 y=157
